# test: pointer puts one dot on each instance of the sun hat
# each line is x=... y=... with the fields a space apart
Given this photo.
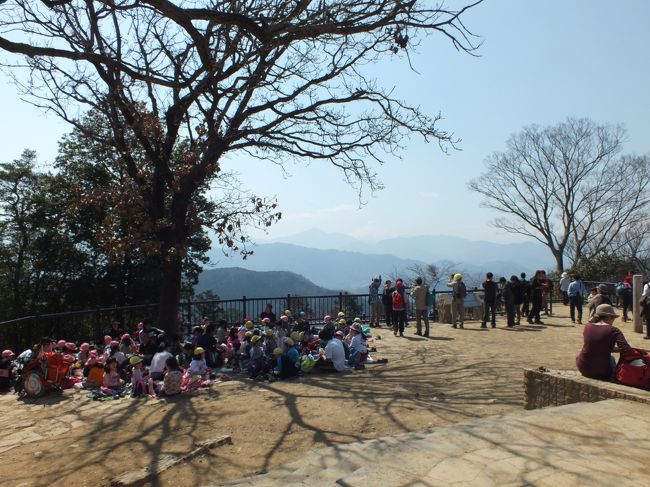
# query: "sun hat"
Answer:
x=327 y=318
x=606 y=310
x=256 y=339
x=7 y=353
x=249 y=324
x=84 y=347
x=288 y=341
x=342 y=322
x=357 y=320
x=248 y=334
x=603 y=288
x=107 y=339
x=356 y=327
x=135 y=360
x=114 y=343
x=564 y=274
x=126 y=336
x=68 y=359
x=339 y=333
x=60 y=344
x=269 y=332
x=287 y=312
x=340 y=314
x=458 y=277
x=199 y=350
x=71 y=347
x=284 y=318
x=266 y=320
x=295 y=336
x=277 y=351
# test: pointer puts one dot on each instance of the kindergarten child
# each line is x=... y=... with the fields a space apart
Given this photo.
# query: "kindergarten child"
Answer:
x=172 y=381
x=138 y=386
x=112 y=378
x=256 y=357
x=6 y=370
x=358 y=346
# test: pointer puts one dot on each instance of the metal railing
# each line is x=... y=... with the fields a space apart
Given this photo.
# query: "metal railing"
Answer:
x=91 y=324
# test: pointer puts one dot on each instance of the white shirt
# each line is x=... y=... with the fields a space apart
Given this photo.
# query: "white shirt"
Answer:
x=198 y=367
x=357 y=343
x=646 y=290
x=335 y=352
x=158 y=361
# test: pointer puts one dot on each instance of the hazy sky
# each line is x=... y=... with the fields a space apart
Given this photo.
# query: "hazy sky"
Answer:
x=541 y=61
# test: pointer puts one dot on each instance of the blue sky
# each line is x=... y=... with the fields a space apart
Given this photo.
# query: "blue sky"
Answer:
x=540 y=62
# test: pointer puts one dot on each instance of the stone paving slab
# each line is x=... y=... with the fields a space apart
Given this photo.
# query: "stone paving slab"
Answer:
x=597 y=444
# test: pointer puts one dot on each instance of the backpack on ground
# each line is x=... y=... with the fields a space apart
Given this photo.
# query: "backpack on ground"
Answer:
x=633 y=369
x=398 y=300
x=460 y=291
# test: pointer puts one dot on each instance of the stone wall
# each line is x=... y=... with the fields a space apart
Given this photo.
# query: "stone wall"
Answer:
x=544 y=387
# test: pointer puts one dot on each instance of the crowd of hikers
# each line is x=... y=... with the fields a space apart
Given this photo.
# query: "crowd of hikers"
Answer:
x=146 y=361
x=149 y=362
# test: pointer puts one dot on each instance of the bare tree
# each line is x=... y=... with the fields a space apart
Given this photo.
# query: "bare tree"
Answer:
x=194 y=82
x=432 y=274
x=566 y=187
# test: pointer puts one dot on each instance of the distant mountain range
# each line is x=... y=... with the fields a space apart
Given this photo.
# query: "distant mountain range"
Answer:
x=339 y=262
x=235 y=282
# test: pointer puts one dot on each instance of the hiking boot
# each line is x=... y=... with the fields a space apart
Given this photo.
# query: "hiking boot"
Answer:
x=461 y=326
x=454 y=326
x=483 y=325
x=395 y=333
x=580 y=322
x=494 y=325
x=401 y=333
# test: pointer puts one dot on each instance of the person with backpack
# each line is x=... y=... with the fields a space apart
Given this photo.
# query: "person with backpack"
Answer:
x=489 y=300
x=387 y=301
x=419 y=294
x=398 y=299
x=625 y=297
x=458 y=294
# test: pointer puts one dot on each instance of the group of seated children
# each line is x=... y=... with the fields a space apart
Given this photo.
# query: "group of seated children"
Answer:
x=149 y=363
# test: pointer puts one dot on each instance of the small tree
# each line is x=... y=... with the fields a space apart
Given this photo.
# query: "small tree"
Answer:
x=566 y=187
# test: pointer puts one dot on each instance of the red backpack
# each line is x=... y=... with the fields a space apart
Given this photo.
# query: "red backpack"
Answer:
x=398 y=301
x=634 y=375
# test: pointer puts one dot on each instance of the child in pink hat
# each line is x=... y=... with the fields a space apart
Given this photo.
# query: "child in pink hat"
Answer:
x=6 y=370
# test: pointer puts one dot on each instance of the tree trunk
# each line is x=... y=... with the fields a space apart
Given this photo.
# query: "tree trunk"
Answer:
x=170 y=294
x=559 y=260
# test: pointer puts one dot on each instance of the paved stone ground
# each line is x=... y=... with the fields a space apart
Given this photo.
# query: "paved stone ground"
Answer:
x=455 y=376
x=596 y=444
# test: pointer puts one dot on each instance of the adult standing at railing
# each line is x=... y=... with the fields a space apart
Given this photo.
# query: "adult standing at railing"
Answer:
x=419 y=293
x=565 y=280
x=536 y=289
x=645 y=304
x=387 y=300
x=375 y=301
x=525 y=294
x=576 y=292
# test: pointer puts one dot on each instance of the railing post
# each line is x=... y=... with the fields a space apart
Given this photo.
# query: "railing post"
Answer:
x=288 y=301
x=243 y=304
x=189 y=310
x=341 y=302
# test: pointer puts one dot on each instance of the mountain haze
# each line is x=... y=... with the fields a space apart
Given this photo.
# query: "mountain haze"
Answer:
x=341 y=262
